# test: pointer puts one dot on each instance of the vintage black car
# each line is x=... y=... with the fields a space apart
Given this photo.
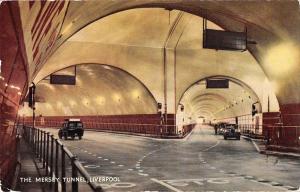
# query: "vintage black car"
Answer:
x=220 y=128
x=231 y=131
x=71 y=128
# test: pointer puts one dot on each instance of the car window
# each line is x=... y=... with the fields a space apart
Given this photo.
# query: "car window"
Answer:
x=72 y=124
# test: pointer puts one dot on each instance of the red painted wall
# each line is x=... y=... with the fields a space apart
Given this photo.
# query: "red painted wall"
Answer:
x=140 y=123
x=13 y=85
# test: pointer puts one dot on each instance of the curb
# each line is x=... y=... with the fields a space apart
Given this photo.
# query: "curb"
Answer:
x=268 y=152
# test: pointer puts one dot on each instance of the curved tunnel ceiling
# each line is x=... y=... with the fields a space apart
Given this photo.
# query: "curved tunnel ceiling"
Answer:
x=219 y=103
x=133 y=40
x=267 y=25
x=99 y=90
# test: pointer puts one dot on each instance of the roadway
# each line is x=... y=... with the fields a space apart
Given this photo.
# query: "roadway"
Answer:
x=200 y=162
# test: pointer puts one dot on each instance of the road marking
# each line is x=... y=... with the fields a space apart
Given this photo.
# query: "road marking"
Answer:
x=186 y=137
x=255 y=145
x=82 y=162
x=99 y=157
x=143 y=174
x=212 y=146
x=130 y=169
x=121 y=165
x=92 y=166
x=166 y=185
x=112 y=162
x=123 y=185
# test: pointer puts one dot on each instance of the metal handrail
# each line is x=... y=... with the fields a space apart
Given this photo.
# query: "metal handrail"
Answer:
x=43 y=145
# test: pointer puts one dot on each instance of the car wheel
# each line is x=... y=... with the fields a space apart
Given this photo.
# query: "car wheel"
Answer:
x=73 y=137
x=225 y=137
x=80 y=137
x=238 y=138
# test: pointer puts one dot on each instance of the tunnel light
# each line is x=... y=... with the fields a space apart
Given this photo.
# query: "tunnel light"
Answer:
x=85 y=101
x=100 y=100
x=107 y=67
x=117 y=97
x=59 y=104
x=48 y=105
x=282 y=59
x=135 y=93
x=72 y=102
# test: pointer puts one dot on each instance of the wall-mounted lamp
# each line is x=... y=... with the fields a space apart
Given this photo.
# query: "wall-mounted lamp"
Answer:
x=181 y=107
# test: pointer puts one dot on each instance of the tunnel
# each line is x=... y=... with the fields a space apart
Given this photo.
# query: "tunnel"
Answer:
x=146 y=80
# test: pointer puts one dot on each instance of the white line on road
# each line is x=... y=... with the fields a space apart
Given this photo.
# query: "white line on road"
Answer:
x=166 y=185
x=187 y=137
x=212 y=146
x=255 y=145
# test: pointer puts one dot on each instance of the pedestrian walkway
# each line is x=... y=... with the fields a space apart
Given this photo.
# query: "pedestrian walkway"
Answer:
x=29 y=171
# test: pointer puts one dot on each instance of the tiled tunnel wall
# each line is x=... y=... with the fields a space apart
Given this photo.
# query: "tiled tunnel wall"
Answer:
x=13 y=84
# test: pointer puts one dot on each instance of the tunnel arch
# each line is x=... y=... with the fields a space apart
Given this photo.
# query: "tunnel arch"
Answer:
x=230 y=16
x=232 y=79
x=104 y=65
x=118 y=54
x=100 y=90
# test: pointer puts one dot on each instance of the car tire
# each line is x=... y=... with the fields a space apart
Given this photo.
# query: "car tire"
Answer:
x=225 y=137
x=238 y=138
x=80 y=137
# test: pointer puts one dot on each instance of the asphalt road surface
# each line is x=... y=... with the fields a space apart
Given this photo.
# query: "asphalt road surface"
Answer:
x=200 y=162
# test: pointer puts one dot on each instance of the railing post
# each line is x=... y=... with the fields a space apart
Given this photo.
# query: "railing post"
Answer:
x=47 y=154
x=44 y=150
x=63 y=169
x=41 y=145
x=56 y=164
x=37 y=143
x=51 y=158
x=33 y=139
x=74 y=175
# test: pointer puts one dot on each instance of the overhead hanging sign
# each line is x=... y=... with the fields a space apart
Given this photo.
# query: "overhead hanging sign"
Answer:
x=217 y=83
